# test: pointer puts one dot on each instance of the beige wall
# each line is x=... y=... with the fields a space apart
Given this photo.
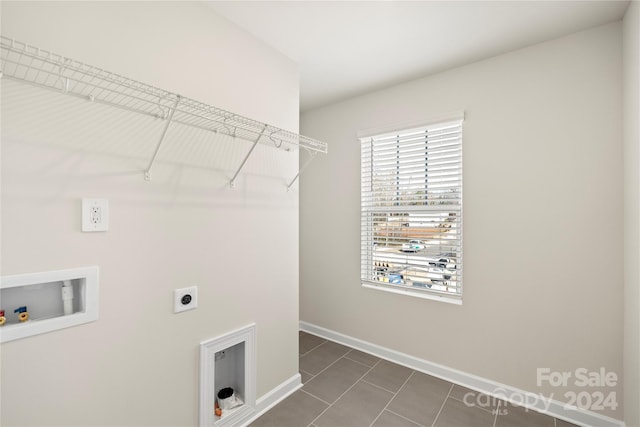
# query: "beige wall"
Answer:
x=543 y=209
x=138 y=364
x=631 y=45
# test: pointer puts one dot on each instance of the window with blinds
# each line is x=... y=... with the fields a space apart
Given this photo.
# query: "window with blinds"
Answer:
x=411 y=210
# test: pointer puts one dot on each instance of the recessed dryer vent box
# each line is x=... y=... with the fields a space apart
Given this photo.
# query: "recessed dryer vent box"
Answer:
x=228 y=361
x=52 y=300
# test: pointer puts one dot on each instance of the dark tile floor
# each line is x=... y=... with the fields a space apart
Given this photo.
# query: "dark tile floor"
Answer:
x=344 y=387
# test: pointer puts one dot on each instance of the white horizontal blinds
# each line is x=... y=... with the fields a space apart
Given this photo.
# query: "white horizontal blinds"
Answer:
x=411 y=207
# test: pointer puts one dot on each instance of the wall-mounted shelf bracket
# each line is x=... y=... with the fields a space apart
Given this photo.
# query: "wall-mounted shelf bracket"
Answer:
x=295 y=178
x=147 y=173
x=232 y=183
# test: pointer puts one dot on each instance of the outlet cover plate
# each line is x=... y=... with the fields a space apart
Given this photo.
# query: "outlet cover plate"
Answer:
x=95 y=215
x=185 y=299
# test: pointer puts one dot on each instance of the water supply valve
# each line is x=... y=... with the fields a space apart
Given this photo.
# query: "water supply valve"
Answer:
x=23 y=315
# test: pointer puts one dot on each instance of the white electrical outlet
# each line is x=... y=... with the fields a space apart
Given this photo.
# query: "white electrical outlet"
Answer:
x=95 y=214
x=185 y=299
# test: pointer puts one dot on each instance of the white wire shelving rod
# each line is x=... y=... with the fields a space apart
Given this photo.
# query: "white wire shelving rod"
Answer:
x=38 y=67
x=307 y=163
x=232 y=183
x=147 y=173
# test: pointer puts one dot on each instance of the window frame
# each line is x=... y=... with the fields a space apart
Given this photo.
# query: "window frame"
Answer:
x=425 y=207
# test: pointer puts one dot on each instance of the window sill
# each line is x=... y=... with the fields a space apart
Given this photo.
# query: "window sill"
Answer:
x=412 y=293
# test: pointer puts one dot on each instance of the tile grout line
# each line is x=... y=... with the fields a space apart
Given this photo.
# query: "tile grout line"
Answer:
x=346 y=391
x=442 y=406
x=405 y=418
x=492 y=411
x=382 y=388
x=315 y=397
x=495 y=418
x=306 y=372
x=309 y=351
x=328 y=366
x=391 y=400
x=346 y=356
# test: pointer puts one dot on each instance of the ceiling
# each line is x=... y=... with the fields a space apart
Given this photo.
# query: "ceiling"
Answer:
x=347 y=48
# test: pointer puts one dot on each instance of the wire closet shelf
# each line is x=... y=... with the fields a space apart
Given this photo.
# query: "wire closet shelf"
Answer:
x=35 y=66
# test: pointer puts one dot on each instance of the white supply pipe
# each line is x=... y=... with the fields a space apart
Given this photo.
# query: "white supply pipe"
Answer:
x=67 y=297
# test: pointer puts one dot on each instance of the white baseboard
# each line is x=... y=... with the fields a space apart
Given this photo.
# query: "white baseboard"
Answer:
x=275 y=396
x=529 y=400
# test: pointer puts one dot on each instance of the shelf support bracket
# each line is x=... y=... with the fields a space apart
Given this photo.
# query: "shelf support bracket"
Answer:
x=232 y=183
x=304 y=166
x=147 y=173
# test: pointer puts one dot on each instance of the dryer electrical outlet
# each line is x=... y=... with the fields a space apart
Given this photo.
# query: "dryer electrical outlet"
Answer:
x=95 y=214
x=185 y=299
